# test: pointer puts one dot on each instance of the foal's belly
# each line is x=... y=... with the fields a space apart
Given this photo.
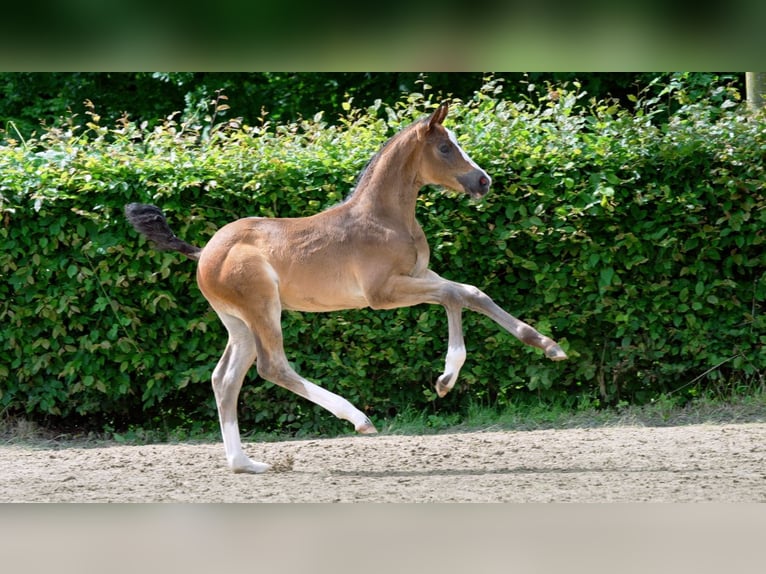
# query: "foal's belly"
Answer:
x=321 y=291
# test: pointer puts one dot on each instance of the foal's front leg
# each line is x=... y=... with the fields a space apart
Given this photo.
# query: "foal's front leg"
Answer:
x=473 y=298
x=476 y=300
x=455 y=350
x=405 y=291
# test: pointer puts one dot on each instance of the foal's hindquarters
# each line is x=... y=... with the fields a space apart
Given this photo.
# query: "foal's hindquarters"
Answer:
x=243 y=288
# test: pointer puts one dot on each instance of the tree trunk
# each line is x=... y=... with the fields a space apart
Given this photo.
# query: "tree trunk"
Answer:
x=755 y=86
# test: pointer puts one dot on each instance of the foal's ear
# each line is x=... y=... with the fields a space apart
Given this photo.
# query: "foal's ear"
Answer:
x=438 y=116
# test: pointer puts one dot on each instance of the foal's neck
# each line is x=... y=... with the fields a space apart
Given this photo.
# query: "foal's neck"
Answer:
x=391 y=190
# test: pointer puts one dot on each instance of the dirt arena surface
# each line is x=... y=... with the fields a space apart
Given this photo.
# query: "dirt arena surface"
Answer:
x=697 y=463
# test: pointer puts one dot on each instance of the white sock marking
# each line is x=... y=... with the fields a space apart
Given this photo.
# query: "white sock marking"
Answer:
x=452 y=364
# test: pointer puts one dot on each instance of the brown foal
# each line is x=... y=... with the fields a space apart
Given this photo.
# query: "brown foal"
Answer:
x=368 y=251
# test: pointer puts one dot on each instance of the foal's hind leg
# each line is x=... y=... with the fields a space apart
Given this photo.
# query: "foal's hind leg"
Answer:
x=227 y=382
x=263 y=316
x=273 y=366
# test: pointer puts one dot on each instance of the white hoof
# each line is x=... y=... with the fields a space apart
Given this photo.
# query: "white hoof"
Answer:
x=245 y=465
x=444 y=384
x=555 y=353
x=366 y=427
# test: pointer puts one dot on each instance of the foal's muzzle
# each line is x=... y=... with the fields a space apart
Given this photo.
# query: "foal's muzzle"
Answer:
x=475 y=183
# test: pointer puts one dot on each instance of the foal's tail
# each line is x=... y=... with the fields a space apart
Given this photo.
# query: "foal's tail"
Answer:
x=149 y=221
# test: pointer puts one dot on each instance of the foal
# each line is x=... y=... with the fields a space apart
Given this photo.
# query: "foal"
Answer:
x=368 y=251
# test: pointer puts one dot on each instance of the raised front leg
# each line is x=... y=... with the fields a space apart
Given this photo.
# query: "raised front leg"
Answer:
x=405 y=291
x=476 y=300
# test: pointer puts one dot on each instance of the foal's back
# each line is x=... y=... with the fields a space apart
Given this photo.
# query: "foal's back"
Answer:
x=315 y=263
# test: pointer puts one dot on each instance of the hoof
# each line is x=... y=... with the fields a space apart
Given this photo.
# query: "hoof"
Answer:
x=251 y=468
x=366 y=428
x=241 y=464
x=555 y=353
x=442 y=385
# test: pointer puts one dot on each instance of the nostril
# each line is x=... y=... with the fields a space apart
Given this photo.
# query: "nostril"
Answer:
x=483 y=181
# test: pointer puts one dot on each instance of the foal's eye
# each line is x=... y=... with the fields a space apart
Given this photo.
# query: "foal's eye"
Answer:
x=445 y=148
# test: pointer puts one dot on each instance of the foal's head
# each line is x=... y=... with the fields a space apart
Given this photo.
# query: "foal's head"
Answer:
x=443 y=160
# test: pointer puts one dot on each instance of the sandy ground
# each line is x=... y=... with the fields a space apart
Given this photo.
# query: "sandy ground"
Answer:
x=722 y=463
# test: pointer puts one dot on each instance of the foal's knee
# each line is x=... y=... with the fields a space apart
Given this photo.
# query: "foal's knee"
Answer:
x=473 y=297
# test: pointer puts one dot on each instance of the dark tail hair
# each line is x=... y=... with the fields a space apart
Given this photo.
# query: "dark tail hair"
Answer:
x=149 y=221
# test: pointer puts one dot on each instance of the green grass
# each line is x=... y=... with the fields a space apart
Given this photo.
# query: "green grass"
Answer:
x=521 y=416
x=665 y=411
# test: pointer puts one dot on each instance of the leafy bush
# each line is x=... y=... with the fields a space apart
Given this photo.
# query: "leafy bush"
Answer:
x=29 y=99
x=632 y=236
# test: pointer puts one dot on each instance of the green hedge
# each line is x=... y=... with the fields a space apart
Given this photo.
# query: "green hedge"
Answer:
x=635 y=237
